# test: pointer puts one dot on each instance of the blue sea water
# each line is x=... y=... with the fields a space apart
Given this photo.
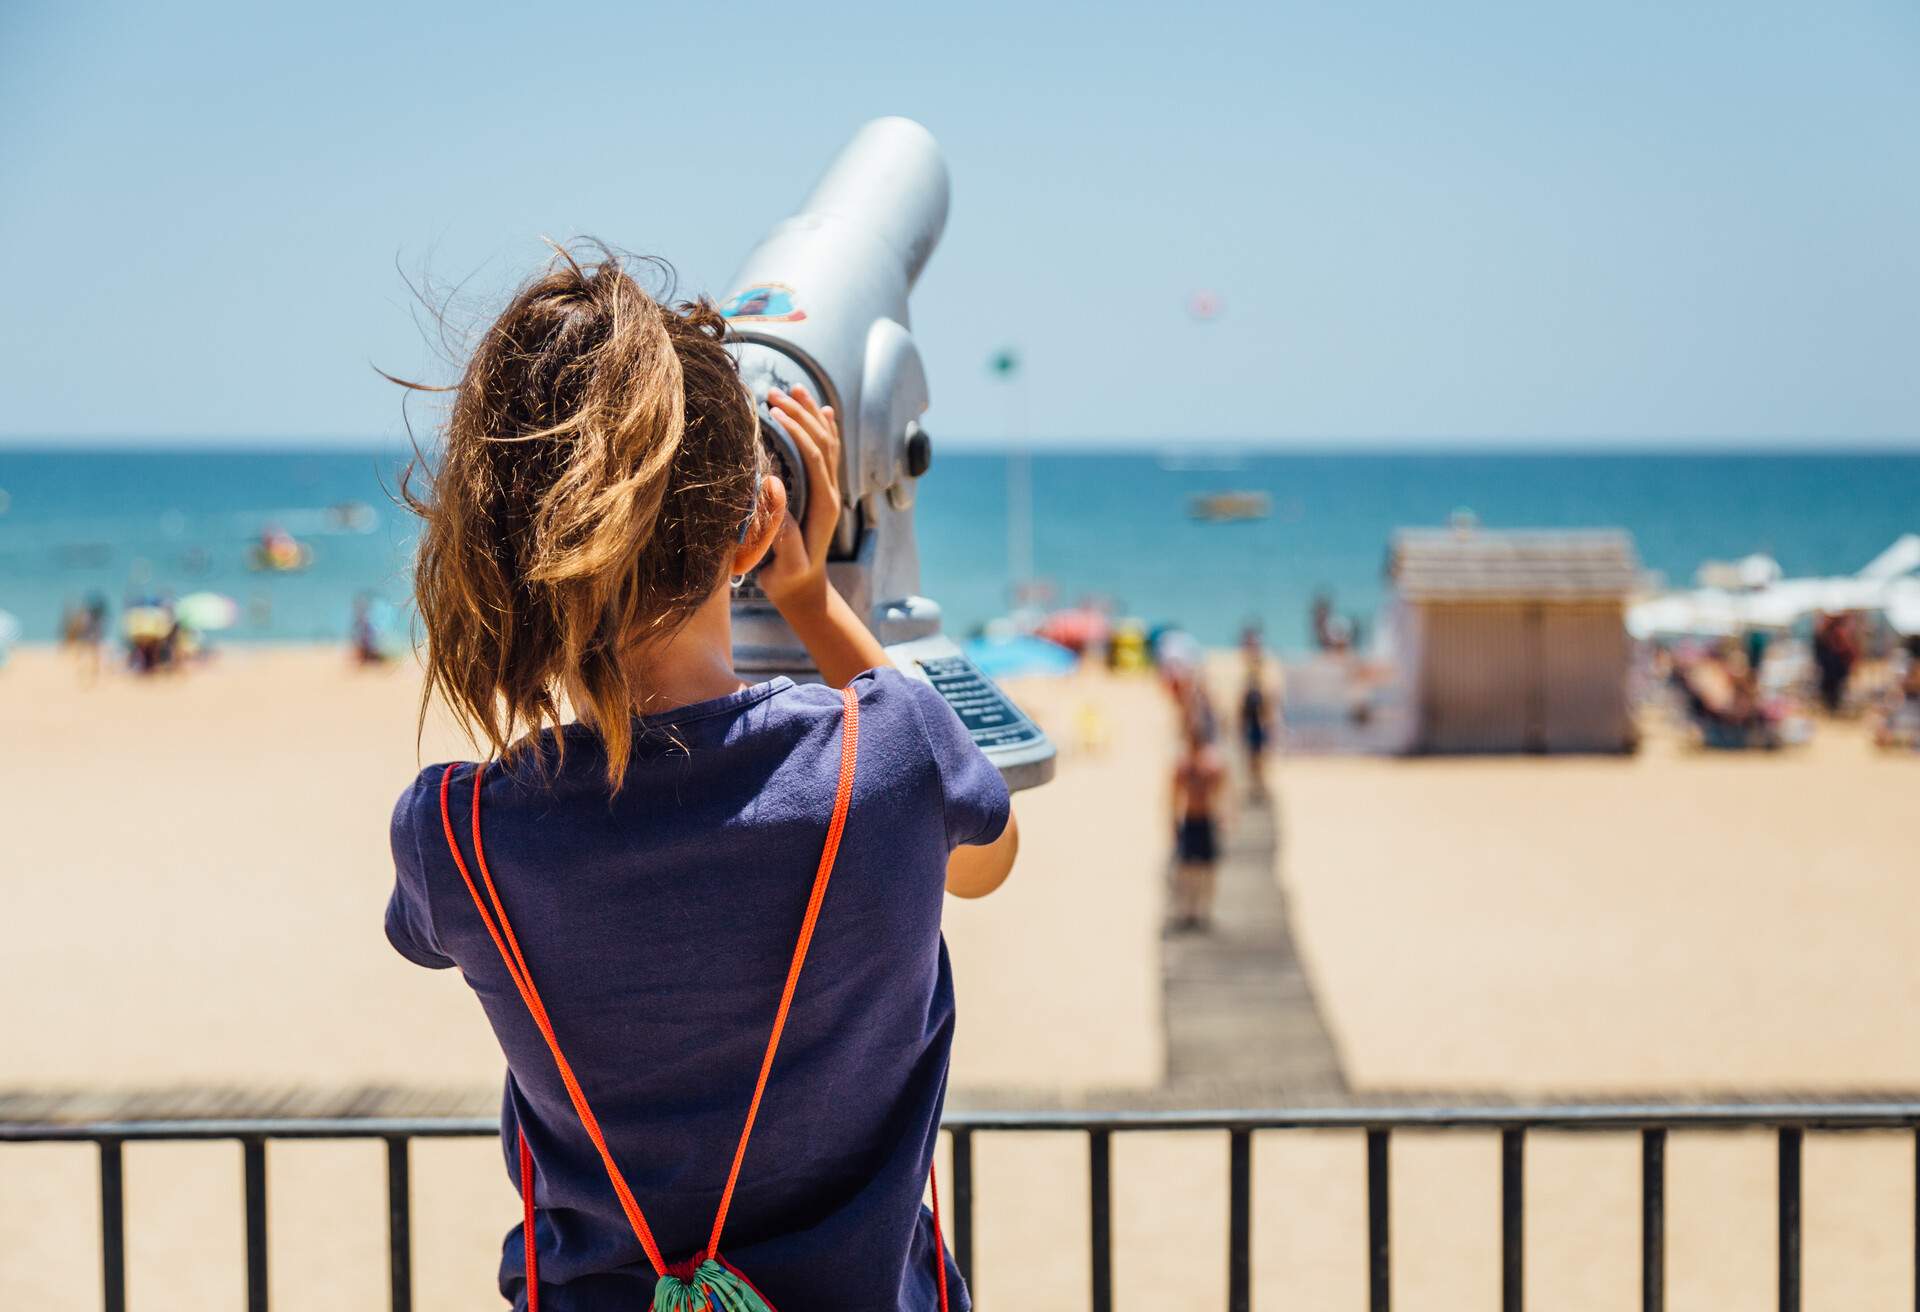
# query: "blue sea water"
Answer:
x=1110 y=525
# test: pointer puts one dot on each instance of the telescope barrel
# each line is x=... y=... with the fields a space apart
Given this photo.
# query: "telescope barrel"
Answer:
x=808 y=300
x=822 y=303
x=890 y=180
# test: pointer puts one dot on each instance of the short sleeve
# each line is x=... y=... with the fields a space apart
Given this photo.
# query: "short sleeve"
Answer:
x=409 y=911
x=974 y=794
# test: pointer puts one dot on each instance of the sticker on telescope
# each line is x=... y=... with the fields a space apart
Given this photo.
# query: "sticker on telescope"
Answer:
x=767 y=302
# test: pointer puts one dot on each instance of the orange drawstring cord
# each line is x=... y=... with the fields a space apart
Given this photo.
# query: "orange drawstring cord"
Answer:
x=842 y=800
x=523 y=982
x=508 y=946
x=939 y=1236
x=526 y=1232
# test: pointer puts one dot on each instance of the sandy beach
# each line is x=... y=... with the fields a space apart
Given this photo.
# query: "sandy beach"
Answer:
x=1667 y=923
x=202 y=864
x=206 y=858
x=204 y=861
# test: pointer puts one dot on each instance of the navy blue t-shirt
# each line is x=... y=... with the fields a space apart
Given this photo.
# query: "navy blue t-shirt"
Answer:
x=659 y=923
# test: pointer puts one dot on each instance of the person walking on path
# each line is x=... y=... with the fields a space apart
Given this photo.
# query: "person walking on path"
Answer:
x=1257 y=718
x=1199 y=783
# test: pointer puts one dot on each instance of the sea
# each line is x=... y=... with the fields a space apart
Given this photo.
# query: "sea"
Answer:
x=1113 y=526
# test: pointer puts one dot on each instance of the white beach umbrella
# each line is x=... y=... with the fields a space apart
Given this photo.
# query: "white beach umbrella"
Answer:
x=1710 y=612
x=1831 y=594
x=1903 y=557
x=207 y=611
x=1769 y=608
x=1703 y=612
x=1903 y=606
x=1755 y=571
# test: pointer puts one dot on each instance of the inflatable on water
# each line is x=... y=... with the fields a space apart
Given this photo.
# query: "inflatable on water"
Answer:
x=279 y=552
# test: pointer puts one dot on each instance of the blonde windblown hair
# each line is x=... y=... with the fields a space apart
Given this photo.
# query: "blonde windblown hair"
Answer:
x=597 y=461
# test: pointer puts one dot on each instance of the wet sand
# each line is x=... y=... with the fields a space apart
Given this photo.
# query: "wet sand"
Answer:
x=195 y=872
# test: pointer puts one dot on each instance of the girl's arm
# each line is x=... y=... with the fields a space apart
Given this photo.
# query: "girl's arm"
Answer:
x=841 y=644
x=795 y=578
x=977 y=871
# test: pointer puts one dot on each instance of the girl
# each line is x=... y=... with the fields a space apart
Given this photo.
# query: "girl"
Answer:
x=627 y=892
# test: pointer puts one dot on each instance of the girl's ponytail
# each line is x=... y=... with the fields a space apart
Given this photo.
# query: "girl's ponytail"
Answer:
x=599 y=456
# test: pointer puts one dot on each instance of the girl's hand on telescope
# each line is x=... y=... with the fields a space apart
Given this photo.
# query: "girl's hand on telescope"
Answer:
x=796 y=574
x=795 y=579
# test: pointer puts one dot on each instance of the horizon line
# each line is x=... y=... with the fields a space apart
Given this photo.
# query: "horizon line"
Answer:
x=1382 y=444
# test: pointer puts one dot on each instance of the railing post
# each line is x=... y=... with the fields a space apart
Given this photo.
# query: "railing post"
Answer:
x=253 y=1160
x=399 y=1223
x=113 y=1227
x=1513 y=1193
x=1653 y=1220
x=1100 y=1215
x=1379 y=1262
x=963 y=1207
x=1240 y=1221
x=1790 y=1219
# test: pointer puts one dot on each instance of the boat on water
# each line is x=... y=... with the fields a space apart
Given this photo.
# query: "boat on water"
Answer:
x=1228 y=507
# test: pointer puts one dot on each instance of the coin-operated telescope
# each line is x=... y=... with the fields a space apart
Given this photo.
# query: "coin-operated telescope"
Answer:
x=822 y=301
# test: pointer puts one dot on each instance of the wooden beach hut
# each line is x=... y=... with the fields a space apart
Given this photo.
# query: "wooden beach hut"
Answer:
x=1515 y=641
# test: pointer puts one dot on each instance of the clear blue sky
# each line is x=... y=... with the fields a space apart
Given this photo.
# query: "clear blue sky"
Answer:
x=1523 y=221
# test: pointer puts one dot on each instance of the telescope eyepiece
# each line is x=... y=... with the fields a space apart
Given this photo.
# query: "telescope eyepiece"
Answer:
x=767 y=362
x=783 y=459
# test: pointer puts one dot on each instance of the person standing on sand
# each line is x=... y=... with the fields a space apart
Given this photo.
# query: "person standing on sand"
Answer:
x=1256 y=714
x=1320 y=618
x=83 y=634
x=1899 y=721
x=1199 y=779
x=654 y=870
x=93 y=633
x=1836 y=647
x=363 y=639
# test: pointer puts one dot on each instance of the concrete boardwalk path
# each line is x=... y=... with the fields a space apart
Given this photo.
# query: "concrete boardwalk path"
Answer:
x=1242 y=1023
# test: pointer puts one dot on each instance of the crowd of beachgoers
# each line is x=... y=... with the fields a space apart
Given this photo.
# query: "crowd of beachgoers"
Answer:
x=1761 y=690
x=158 y=630
x=161 y=633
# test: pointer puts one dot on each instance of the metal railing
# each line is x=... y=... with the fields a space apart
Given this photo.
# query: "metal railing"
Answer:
x=1790 y=1122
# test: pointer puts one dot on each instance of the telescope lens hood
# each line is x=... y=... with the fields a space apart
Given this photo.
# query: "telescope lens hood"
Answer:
x=767 y=362
x=784 y=460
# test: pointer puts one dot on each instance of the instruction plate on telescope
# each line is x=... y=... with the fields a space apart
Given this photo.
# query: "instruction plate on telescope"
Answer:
x=1002 y=730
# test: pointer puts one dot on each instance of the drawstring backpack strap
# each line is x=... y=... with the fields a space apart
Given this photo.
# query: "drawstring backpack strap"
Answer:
x=509 y=949
x=707 y=1267
x=939 y=1239
x=842 y=800
x=526 y=1229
